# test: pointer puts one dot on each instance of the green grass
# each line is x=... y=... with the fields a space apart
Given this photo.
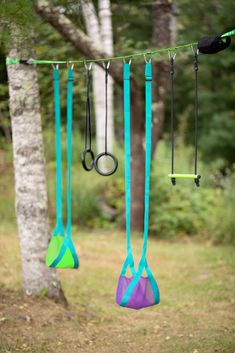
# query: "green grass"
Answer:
x=196 y=313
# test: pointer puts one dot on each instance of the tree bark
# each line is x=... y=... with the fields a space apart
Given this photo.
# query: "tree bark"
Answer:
x=106 y=32
x=30 y=180
x=78 y=38
x=162 y=18
x=94 y=31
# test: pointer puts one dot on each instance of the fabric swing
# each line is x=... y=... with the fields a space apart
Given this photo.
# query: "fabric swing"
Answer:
x=137 y=291
x=61 y=252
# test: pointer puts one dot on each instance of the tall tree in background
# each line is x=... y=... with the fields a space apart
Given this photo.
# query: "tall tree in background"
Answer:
x=162 y=18
x=99 y=29
x=29 y=168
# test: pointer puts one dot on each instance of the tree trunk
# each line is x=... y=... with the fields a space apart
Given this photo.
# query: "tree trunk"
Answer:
x=30 y=181
x=162 y=18
x=94 y=32
x=106 y=32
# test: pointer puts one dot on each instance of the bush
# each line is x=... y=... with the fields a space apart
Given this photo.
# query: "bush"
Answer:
x=89 y=190
x=100 y=202
x=223 y=226
x=182 y=208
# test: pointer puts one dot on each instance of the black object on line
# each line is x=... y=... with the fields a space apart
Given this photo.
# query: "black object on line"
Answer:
x=213 y=45
x=106 y=153
x=88 y=133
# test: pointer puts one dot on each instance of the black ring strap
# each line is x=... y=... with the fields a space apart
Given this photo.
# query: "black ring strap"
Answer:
x=106 y=153
x=88 y=132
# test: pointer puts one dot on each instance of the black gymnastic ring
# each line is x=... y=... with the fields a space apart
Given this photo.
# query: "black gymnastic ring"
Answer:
x=115 y=165
x=92 y=163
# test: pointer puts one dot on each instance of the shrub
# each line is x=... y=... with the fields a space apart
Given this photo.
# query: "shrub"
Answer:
x=222 y=227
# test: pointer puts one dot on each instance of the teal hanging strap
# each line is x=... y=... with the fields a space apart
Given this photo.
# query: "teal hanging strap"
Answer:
x=69 y=164
x=127 y=142
x=148 y=131
x=66 y=250
x=59 y=228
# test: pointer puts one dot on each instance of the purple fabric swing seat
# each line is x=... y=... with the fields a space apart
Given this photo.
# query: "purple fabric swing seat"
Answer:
x=142 y=295
x=137 y=291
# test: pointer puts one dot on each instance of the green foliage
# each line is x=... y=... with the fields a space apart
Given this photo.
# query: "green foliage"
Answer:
x=99 y=202
x=216 y=80
x=220 y=139
x=183 y=208
x=43 y=293
x=223 y=225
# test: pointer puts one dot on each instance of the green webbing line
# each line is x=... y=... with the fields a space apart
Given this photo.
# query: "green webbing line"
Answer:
x=183 y=176
x=11 y=61
x=228 y=34
x=59 y=229
x=127 y=146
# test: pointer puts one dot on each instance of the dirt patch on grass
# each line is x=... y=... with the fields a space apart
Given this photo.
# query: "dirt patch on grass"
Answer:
x=39 y=325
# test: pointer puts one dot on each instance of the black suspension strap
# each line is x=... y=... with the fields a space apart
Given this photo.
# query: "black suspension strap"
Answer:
x=88 y=132
x=197 y=179
x=172 y=72
x=106 y=153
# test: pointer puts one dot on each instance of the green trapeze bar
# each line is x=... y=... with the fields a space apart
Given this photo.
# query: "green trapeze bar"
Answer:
x=184 y=176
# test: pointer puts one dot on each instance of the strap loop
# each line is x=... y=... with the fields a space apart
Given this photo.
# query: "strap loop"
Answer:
x=88 y=132
x=59 y=228
x=106 y=153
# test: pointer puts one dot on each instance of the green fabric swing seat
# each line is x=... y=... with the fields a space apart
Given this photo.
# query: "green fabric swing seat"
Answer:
x=61 y=252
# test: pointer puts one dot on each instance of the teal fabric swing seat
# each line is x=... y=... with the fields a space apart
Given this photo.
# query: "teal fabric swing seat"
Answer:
x=137 y=291
x=61 y=252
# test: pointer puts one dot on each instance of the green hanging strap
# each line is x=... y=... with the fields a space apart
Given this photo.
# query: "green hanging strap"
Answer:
x=127 y=142
x=228 y=34
x=66 y=254
x=148 y=133
x=59 y=228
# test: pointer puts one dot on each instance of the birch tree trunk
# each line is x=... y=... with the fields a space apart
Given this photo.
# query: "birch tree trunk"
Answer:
x=94 y=31
x=106 y=32
x=30 y=181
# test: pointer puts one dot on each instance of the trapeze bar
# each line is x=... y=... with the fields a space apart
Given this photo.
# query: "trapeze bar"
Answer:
x=184 y=176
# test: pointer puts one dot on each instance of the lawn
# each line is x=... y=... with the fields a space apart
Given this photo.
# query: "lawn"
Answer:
x=196 y=313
